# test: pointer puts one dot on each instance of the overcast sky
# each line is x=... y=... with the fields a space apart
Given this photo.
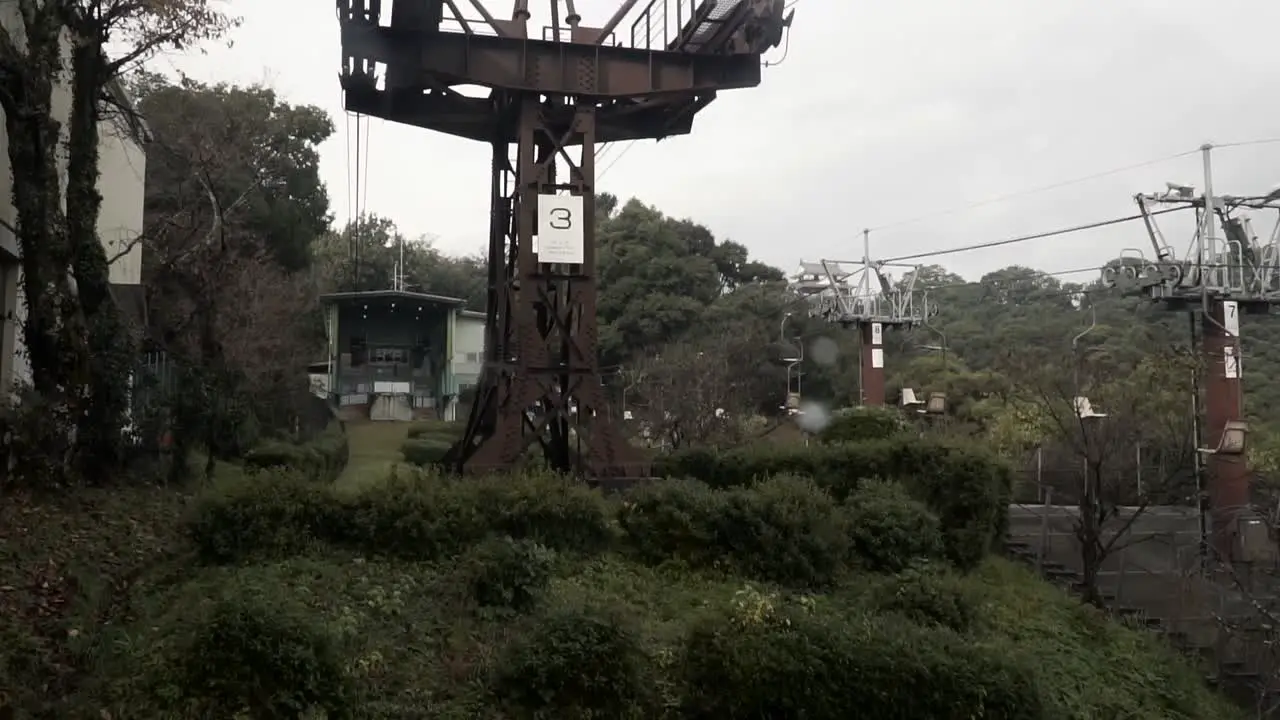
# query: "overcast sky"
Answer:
x=881 y=113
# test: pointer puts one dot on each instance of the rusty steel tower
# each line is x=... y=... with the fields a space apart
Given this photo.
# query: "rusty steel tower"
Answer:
x=1218 y=278
x=551 y=96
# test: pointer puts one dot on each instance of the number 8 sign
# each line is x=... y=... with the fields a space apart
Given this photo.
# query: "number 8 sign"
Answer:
x=560 y=236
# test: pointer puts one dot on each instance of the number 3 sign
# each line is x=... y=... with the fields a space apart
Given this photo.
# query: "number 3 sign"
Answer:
x=560 y=236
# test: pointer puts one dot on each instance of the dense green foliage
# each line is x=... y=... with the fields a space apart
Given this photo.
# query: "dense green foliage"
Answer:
x=967 y=488
x=320 y=458
x=860 y=423
x=415 y=595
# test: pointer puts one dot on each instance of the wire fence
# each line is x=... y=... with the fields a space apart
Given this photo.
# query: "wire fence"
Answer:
x=1160 y=574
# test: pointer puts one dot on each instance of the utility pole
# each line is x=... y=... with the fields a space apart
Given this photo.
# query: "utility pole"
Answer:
x=865 y=300
x=1222 y=280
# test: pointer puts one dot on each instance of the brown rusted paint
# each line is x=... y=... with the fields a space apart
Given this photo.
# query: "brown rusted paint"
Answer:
x=1228 y=474
x=550 y=98
x=542 y=382
x=473 y=118
x=872 y=377
x=531 y=65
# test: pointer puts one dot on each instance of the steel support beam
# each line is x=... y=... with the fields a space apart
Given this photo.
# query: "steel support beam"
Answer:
x=872 y=359
x=473 y=117
x=1228 y=473
x=541 y=383
x=423 y=59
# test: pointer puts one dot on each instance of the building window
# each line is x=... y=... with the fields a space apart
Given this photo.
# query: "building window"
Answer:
x=473 y=357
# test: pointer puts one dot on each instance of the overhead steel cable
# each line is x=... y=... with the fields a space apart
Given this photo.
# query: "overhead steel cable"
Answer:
x=1027 y=238
x=1037 y=189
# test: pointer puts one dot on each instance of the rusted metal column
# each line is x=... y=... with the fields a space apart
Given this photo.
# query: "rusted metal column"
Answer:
x=872 y=346
x=1228 y=473
x=541 y=384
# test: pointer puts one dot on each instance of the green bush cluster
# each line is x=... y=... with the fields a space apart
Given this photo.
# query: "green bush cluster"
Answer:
x=252 y=659
x=320 y=459
x=861 y=424
x=784 y=529
x=263 y=514
x=790 y=663
x=888 y=529
x=576 y=663
x=429 y=440
x=425 y=452
x=417 y=516
x=438 y=429
x=927 y=596
x=506 y=573
x=967 y=488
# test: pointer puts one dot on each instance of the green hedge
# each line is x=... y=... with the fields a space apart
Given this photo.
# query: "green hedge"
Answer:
x=436 y=430
x=425 y=451
x=785 y=529
x=861 y=424
x=576 y=664
x=889 y=530
x=793 y=664
x=418 y=517
x=263 y=660
x=320 y=459
x=507 y=574
x=968 y=489
x=927 y=596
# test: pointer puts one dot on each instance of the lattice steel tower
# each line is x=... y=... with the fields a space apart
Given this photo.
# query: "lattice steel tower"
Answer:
x=551 y=99
x=1217 y=278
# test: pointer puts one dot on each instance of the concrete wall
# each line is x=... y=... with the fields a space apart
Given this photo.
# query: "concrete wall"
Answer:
x=122 y=184
x=468 y=348
x=122 y=162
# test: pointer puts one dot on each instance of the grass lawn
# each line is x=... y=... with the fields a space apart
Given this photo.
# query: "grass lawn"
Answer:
x=375 y=448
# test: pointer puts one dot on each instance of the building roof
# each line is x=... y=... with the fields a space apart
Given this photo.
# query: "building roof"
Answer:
x=391 y=295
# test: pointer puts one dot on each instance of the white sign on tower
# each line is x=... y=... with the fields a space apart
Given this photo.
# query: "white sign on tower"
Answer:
x=560 y=229
x=1230 y=363
x=1231 y=317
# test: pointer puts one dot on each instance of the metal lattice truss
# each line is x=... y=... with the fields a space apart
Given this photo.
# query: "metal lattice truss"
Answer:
x=854 y=293
x=1225 y=257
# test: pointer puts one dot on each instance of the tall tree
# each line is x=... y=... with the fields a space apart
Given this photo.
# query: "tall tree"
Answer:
x=275 y=143
x=79 y=355
x=230 y=170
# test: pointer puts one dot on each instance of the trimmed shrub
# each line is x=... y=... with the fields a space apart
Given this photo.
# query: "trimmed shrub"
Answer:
x=825 y=668
x=862 y=424
x=785 y=529
x=673 y=520
x=576 y=664
x=968 y=489
x=506 y=573
x=436 y=429
x=425 y=451
x=558 y=512
x=262 y=661
x=889 y=530
x=263 y=514
x=416 y=516
x=927 y=597
x=321 y=459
